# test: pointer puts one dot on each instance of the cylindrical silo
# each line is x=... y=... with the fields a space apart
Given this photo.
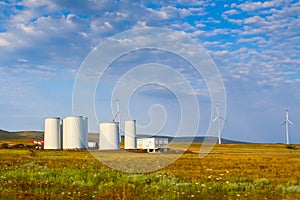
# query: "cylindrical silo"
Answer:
x=73 y=134
x=85 y=132
x=109 y=136
x=130 y=135
x=52 y=134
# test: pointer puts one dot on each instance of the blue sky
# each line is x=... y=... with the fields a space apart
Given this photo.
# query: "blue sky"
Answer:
x=254 y=44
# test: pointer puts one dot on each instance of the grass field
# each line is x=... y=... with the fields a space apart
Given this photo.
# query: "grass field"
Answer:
x=240 y=171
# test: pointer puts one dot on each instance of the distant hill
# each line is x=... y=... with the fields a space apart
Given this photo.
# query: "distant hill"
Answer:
x=201 y=139
x=21 y=135
x=94 y=137
x=3 y=131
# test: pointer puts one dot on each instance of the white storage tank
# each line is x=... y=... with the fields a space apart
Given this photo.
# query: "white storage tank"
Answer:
x=52 y=133
x=85 y=133
x=130 y=134
x=109 y=136
x=74 y=133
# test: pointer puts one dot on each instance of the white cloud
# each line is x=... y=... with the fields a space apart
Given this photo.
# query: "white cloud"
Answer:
x=197 y=33
x=217 y=32
x=212 y=20
x=260 y=40
x=200 y=25
x=220 y=53
x=140 y=24
x=251 y=6
x=108 y=25
x=12 y=86
x=209 y=43
x=158 y=14
x=199 y=11
x=231 y=12
x=257 y=20
x=4 y=42
x=23 y=60
x=235 y=21
x=85 y=35
x=171 y=10
x=187 y=27
x=193 y=2
x=33 y=4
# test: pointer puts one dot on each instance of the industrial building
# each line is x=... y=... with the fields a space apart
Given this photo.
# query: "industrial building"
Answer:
x=68 y=133
x=72 y=133
x=110 y=134
x=152 y=144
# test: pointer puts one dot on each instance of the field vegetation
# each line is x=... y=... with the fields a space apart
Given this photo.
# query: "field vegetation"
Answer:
x=240 y=171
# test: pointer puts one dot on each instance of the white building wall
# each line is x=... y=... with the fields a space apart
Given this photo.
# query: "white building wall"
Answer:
x=74 y=133
x=152 y=143
x=130 y=135
x=85 y=132
x=52 y=133
x=109 y=136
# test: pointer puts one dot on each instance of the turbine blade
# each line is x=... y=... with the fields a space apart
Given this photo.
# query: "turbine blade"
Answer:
x=223 y=119
x=291 y=123
x=283 y=123
x=214 y=120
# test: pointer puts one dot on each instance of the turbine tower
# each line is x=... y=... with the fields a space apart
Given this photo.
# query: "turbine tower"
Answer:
x=218 y=119
x=287 y=122
x=118 y=113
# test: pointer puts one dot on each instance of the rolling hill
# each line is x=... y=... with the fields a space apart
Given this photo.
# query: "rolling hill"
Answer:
x=30 y=135
x=21 y=135
x=94 y=137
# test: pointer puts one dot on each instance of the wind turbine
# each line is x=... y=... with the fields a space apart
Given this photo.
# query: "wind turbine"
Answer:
x=219 y=118
x=287 y=122
x=118 y=113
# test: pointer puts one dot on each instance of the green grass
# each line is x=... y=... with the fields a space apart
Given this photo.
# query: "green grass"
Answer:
x=263 y=172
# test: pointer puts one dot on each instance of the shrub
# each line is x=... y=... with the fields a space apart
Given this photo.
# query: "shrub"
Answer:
x=291 y=147
x=4 y=145
x=18 y=146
